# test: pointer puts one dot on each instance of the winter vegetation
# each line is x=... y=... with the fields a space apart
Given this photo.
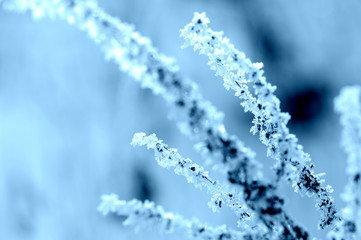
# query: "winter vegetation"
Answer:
x=240 y=184
x=348 y=105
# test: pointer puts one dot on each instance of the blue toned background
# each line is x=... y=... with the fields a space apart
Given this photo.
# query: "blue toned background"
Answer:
x=67 y=116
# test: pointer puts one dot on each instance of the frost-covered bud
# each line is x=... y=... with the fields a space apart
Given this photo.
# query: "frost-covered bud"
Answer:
x=269 y=122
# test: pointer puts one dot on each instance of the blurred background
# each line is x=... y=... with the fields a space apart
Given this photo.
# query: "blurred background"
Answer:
x=67 y=116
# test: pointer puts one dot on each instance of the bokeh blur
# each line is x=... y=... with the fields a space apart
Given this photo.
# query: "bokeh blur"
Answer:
x=67 y=116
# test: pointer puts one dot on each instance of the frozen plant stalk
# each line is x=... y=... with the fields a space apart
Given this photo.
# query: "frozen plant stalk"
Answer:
x=135 y=55
x=197 y=118
x=348 y=105
x=146 y=215
x=200 y=120
x=195 y=174
x=267 y=205
x=237 y=71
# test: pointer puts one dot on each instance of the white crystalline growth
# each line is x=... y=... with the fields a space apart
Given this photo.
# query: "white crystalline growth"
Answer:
x=269 y=122
x=146 y=215
x=195 y=174
x=348 y=105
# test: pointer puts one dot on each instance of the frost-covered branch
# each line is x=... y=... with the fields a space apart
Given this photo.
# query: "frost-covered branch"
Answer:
x=271 y=124
x=348 y=104
x=135 y=55
x=260 y=199
x=195 y=174
x=146 y=215
x=197 y=118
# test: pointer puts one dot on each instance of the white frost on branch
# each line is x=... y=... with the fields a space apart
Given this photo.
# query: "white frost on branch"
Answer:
x=135 y=55
x=237 y=72
x=146 y=215
x=170 y=158
x=200 y=120
x=196 y=117
x=348 y=105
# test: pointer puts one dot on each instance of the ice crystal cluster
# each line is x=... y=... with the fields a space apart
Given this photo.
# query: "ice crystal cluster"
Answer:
x=253 y=198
